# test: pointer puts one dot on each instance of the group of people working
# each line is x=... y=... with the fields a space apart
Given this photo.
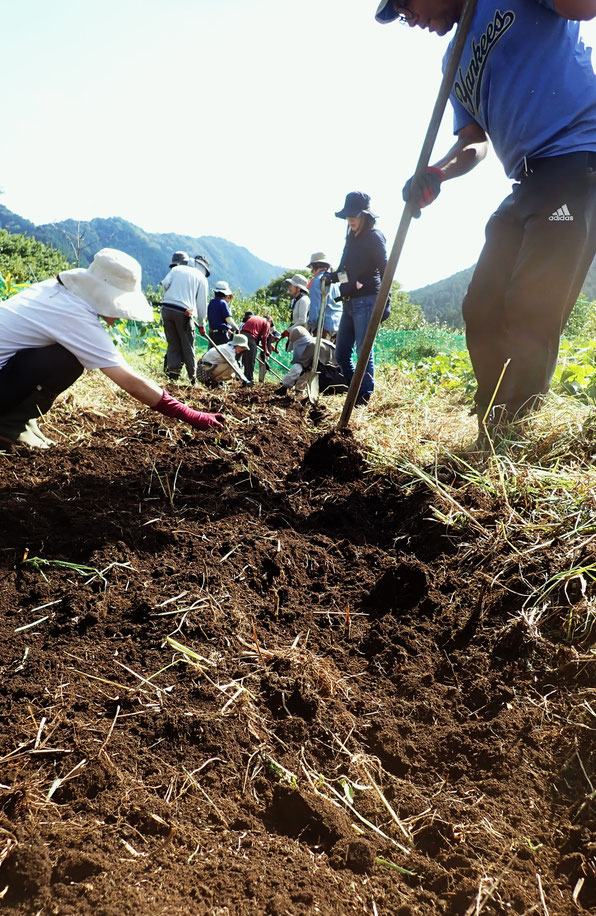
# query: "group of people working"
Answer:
x=539 y=245
x=184 y=306
x=349 y=295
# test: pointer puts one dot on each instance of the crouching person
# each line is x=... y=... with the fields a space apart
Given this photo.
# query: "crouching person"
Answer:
x=220 y=364
x=51 y=331
x=303 y=351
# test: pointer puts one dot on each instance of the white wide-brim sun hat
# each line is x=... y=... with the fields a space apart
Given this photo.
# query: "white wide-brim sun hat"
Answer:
x=111 y=285
x=222 y=288
x=300 y=281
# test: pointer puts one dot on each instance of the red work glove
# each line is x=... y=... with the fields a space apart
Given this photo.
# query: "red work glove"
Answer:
x=422 y=191
x=170 y=407
x=286 y=333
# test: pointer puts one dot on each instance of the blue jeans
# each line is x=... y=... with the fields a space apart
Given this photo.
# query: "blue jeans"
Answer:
x=352 y=330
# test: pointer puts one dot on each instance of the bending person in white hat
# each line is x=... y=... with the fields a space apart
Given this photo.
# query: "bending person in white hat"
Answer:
x=218 y=364
x=51 y=331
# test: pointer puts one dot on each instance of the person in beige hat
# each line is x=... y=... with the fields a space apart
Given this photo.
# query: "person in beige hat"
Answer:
x=220 y=363
x=320 y=265
x=51 y=331
x=298 y=289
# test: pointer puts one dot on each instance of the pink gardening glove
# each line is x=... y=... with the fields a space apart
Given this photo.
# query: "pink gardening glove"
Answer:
x=170 y=407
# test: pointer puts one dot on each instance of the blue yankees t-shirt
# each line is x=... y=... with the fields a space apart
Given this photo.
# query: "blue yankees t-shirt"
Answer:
x=527 y=79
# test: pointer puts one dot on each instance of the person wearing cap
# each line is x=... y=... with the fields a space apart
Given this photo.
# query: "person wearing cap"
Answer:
x=258 y=332
x=221 y=322
x=360 y=271
x=220 y=363
x=184 y=301
x=298 y=289
x=51 y=331
x=320 y=265
x=526 y=82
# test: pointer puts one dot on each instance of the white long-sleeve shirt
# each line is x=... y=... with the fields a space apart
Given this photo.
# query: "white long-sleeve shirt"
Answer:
x=300 y=307
x=187 y=287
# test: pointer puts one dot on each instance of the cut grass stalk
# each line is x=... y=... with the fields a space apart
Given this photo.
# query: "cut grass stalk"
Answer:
x=198 y=660
x=59 y=781
x=317 y=779
x=39 y=562
x=399 y=868
x=198 y=786
x=387 y=805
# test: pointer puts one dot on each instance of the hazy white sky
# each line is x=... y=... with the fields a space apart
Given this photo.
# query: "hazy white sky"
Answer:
x=246 y=119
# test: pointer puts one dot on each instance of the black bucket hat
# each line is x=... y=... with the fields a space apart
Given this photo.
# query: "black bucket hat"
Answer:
x=203 y=260
x=356 y=204
x=386 y=11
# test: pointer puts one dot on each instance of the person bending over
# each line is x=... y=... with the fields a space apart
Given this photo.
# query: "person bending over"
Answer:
x=51 y=331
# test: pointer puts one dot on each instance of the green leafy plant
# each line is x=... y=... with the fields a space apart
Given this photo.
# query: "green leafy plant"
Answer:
x=26 y=260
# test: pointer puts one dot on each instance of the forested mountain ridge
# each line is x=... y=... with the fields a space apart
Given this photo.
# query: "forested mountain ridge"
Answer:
x=442 y=301
x=81 y=240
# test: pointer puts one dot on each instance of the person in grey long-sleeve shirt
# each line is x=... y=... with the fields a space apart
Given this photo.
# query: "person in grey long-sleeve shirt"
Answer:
x=184 y=300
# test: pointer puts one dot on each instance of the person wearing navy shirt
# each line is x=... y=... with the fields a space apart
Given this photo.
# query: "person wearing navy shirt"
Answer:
x=219 y=315
x=360 y=271
x=526 y=82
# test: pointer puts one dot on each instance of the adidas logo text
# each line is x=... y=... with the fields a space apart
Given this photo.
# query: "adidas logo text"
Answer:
x=561 y=215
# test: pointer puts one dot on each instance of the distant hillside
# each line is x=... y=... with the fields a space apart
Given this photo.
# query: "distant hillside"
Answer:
x=442 y=301
x=230 y=262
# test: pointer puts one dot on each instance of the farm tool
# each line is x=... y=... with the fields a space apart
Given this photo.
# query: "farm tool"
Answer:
x=312 y=378
x=429 y=141
x=237 y=372
x=279 y=362
x=264 y=368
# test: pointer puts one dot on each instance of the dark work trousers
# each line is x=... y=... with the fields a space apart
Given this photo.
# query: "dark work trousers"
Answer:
x=219 y=337
x=43 y=371
x=539 y=246
x=180 y=336
x=249 y=358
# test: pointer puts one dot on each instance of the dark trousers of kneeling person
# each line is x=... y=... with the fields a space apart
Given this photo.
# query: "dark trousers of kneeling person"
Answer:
x=30 y=382
x=539 y=246
x=180 y=337
x=249 y=358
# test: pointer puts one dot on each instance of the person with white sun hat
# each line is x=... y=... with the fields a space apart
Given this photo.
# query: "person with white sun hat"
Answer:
x=52 y=331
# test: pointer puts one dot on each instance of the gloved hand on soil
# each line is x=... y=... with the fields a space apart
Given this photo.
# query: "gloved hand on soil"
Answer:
x=170 y=407
x=423 y=190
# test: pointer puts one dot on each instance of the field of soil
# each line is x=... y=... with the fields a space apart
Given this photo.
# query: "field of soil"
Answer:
x=246 y=674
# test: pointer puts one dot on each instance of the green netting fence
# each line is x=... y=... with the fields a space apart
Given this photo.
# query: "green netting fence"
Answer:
x=392 y=346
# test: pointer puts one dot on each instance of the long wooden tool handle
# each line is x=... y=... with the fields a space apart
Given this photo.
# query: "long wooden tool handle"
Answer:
x=322 y=310
x=402 y=231
x=234 y=368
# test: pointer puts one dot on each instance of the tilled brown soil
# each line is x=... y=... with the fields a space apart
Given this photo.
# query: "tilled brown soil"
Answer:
x=279 y=686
